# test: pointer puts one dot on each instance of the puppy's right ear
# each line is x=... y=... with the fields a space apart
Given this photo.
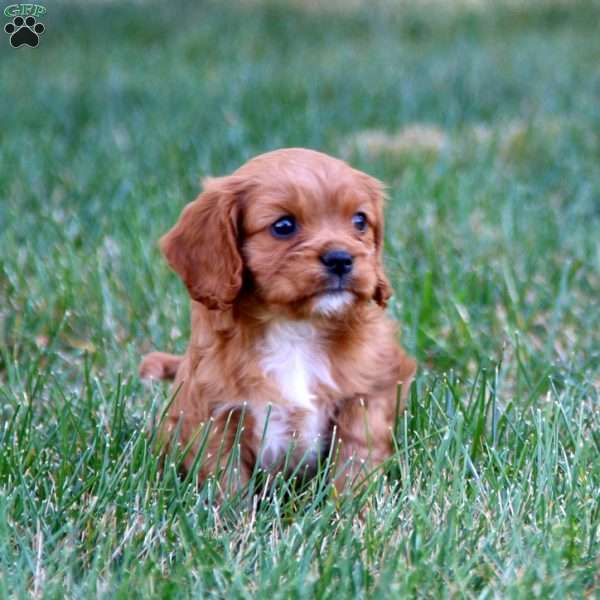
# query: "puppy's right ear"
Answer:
x=202 y=247
x=383 y=289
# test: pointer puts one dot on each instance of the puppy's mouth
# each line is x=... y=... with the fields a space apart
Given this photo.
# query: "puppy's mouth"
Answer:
x=336 y=285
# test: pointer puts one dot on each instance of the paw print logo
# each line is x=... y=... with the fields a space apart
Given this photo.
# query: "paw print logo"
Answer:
x=24 y=31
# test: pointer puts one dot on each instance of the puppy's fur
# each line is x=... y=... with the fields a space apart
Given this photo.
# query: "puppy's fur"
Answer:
x=277 y=338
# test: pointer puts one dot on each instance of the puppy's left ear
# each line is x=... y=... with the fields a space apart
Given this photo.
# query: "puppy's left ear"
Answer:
x=383 y=289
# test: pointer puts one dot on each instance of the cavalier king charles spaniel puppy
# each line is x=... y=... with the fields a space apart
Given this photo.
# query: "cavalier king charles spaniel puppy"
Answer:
x=291 y=354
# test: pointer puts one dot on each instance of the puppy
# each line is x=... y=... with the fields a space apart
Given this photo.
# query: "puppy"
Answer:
x=289 y=338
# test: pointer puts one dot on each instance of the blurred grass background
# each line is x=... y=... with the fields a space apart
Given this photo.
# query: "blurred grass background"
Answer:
x=484 y=120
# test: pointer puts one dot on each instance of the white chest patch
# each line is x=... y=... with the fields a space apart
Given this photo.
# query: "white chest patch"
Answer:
x=293 y=357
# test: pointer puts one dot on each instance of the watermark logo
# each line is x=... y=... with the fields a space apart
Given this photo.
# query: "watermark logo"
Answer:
x=25 y=28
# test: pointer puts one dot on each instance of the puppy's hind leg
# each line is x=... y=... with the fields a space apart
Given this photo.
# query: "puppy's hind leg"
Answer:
x=160 y=365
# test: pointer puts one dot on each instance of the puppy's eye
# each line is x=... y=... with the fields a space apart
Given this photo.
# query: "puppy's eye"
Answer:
x=285 y=227
x=359 y=220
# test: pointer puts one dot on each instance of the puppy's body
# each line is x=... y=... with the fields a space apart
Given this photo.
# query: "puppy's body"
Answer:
x=288 y=330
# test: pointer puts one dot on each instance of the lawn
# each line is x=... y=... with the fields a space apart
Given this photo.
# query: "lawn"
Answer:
x=483 y=118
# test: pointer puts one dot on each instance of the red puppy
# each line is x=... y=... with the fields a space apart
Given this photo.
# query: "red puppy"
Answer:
x=283 y=264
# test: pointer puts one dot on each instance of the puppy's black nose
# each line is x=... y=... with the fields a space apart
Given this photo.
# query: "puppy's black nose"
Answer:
x=338 y=262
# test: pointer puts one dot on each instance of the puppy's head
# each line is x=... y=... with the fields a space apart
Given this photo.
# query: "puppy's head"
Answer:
x=295 y=230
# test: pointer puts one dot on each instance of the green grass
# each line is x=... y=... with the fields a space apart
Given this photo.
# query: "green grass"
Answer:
x=492 y=246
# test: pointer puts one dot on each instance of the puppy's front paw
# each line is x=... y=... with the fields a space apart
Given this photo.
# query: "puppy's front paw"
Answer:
x=159 y=365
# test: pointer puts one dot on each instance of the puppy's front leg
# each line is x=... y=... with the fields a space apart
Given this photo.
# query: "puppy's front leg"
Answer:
x=364 y=436
x=224 y=451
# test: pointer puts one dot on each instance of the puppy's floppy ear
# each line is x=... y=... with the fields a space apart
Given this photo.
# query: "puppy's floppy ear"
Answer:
x=383 y=289
x=202 y=247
